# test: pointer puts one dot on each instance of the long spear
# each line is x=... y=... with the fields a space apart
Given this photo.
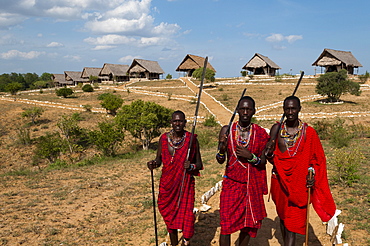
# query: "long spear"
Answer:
x=194 y=124
x=155 y=214
x=310 y=174
x=233 y=116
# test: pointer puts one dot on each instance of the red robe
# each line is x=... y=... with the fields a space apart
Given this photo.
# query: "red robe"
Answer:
x=177 y=214
x=288 y=186
x=241 y=200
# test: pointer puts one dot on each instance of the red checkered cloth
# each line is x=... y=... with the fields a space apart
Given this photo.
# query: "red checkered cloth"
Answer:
x=288 y=187
x=241 y=202
x=177 y=214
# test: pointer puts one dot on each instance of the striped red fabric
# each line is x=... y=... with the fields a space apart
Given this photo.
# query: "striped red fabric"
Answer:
x=241 y=200
x=288 y=188
x=177 y=214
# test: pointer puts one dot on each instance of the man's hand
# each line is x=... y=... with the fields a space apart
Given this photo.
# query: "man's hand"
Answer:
x=270 y=148
x=310 y=181
x=186 y=164
x=152 y=164
x=242 y=152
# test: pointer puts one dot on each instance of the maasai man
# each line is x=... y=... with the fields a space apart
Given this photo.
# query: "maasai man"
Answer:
x=176 y=191
x=297 y=148
x=244 y=184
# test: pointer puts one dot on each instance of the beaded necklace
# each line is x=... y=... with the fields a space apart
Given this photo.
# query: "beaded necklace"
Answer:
x=291 y=139
x=243 y=135
x=173 y=143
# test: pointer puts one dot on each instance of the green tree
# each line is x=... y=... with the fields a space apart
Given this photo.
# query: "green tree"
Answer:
x=13 y=88
x=107 y=138
x=74 y=135
x=32 y=113
x=87 y=88
x=209 y=76
x=110 y=102
x=46 y=77
x=144 y=120
x=64 y=92
x=335 y=84
x=29 y=79
x=40 y=84
x=364 y=77
x=93 y=78
x=243 y=73
x=169 y=76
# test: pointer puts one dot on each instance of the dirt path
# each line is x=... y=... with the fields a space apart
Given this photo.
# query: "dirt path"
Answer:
x=267 y=235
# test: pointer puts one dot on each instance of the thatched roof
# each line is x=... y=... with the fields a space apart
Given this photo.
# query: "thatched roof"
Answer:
x=114 y=69
x=259 y=60
x=192 y=62
x=74 y=76
x=140 y=65
x=61 y=79
x=331 y=57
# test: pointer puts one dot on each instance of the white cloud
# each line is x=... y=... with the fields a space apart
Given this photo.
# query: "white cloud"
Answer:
x=109 y=40
x=54 y=44
x=14 y=54
x=73 y=58
x=277 y=37
x=9 y=19
x=128 y=59
x=103 y=47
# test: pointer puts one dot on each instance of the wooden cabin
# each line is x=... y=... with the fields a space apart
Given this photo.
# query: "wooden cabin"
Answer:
x=115 y=72
x=261 y=65
x=190 y=63
x=74 y=78
x=59 y=80
x=335 y=60
x=145 y=69
x=88 y=72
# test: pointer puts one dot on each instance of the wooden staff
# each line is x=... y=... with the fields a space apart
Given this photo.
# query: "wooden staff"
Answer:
x=233 y=116
x=194 y=125
x=154 y=212
x=310 y=174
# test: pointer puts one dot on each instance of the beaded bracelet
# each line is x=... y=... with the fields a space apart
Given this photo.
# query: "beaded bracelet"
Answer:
x=258 y=162
x=192 y=167
x=220 y=155
x=254 y=159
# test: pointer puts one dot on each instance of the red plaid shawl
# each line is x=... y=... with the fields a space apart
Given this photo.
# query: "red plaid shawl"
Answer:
x=288 y=188
x=241 y=201
x=177 y=217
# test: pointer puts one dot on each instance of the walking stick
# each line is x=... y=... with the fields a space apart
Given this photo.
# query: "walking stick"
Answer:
x=310 y=174
x=154 y=212
x=194 y=124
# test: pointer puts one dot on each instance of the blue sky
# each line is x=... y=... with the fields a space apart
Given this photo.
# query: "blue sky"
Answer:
x=67 y=35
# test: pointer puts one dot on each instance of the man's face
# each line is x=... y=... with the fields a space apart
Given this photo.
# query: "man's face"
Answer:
x=291 y=110
x=246 y=111
x=178 y=122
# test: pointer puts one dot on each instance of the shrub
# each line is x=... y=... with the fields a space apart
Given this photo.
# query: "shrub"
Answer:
x=87 y=88
x=340 y=136
x=210 y=121
x=111 y=102
x=335 y=84
x=107 y=138
x=32 y=113
x=23 y=136
x=323 y=128
x=169 y=76
x=209 y=75
x=364 y=77
x=49 y=146
x=347 y=165
x=87 y=107
x=64 y=92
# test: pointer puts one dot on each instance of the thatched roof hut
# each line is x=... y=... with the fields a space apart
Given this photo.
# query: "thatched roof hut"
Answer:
x=74 y=77
x=60 y=80
x=145 y=69
x=335 y=60
x=191 y=63
x=93 y=71
x=261 y=65
x=115 y=72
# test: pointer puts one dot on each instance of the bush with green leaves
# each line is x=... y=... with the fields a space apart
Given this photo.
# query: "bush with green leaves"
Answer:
x=144 y=120
x=335 y=84
x=169 y=76
x=107 y=138
x=364 y=77
x=13 y=87
x=23 y=136
x=340 y=135
x=49 y=146
x=210 y=121
x=110 y=102
x=347 y=165
x=32 y=113
x=209 y=76
x=87 y=88
x=64 y=92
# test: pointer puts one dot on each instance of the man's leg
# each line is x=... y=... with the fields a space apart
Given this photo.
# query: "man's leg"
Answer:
x=225 y=240
x=288 y=236
x=244 y=238
x=173 y=237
